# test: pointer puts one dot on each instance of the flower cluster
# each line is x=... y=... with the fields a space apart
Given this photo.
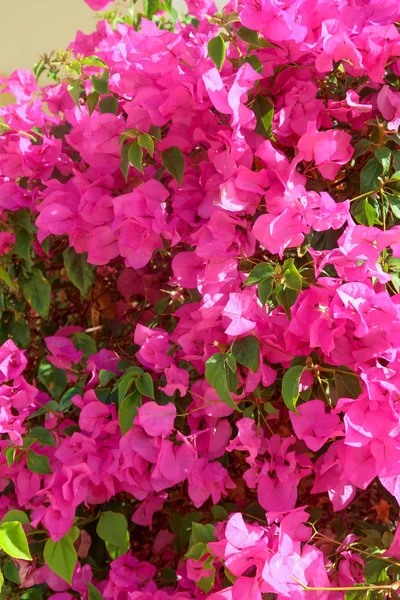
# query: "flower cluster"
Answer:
x=200 y=307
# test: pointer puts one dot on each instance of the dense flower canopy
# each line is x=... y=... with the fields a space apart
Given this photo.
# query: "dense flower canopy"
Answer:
x=200 y=333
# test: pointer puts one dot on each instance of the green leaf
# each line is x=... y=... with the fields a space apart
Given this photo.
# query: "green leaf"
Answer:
x=202 y=533
x=151 y=7
x=84 y=342
x=145 y=141
x=216 y=375
x=290 y=386
x=369 y=176
x=206 y=584
x=11 y=572
x=361 y=148
x=10 y=453
x=293 y=279
x=65 y=401
x=79 y=271
x=155 y=132
x=347 y=384
x=363 y=212
x=52 y=378
x=43 y=436
x=37 y=463
x=383 y=155
x=108 y=105
x=92 y=101
x=249 y=36
x=23 y=245
x=105 y=377
x=93 y=592
x=260 y=271
x=145 y=385
x=197 y=551
x=13 y=540
x=61 y=557
x=286 y=297
x=247 y=352
x=394 y=203
x=100 y=84
x=173 y=160
x=264 y=112
x=20 y=332
x=4 y=276
x=37 y=291
x=255 y=62
x=128 y=409
x=74 y=90
x=219 y=513
x=135 y=156
x=264 y=290
x=125 y=161
x=15 y=515
x=124 y=384
x=92 y=61
x=113 y=528
x=217 y=51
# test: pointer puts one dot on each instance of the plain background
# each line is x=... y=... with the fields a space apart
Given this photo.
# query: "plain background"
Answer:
x=29 y=28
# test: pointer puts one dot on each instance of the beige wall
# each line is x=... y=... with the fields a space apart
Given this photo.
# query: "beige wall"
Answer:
x=29 y=28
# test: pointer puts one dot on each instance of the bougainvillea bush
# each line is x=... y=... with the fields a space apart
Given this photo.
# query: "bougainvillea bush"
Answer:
x=200 y=332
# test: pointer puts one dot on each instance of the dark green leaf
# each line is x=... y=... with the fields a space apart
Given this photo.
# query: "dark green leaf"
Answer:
x=109 y=104
x=145 y=141
x=174 y=162
x=37 y=291
x=260 y=271
x=286 y=298
x=145 y=385
x=92 y=101
x=37 y=463
x=43 y=436
x=264 y=289
x=61 y=557
x=74 y=90
x=369 y=176
x=105 y=377
x=216 y=375
x=79 y=271
x=135 y=156
x=264 y=111
x=247 y=352
x=383 y=155
x=52 y=378
x=363 y=212
x=249 y=36
x=128 y=409
x=23 y=245
x=11 y=572
x=125 y=161
x=347 y=384
x=84 y=342
x=290 y=387
x=217 y=51
x=255 y=62
x=361 y=148
x=66 y=398
x=100 y=84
